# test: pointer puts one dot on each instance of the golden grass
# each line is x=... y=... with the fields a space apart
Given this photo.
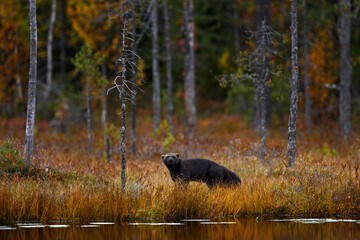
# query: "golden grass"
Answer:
x=324 y=181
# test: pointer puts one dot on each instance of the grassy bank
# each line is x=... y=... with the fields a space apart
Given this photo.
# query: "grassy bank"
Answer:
x=65 y=183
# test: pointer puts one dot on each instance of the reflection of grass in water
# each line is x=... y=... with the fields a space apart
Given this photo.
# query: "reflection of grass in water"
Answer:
x=315 y=220
x=156 y=224
x=245 y=228
x=67 y=184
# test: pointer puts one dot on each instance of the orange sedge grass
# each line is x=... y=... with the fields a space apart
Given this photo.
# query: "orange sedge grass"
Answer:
x=67 y=184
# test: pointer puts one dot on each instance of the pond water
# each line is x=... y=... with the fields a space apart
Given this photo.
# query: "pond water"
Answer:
x=238 y=228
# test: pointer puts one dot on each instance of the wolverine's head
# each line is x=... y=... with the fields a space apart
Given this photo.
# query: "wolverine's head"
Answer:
x=171 y=159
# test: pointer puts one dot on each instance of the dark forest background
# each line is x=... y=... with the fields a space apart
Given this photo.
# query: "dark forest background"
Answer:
x=222 y=30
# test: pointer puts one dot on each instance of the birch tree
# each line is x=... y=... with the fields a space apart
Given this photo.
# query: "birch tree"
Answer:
x=291 y=145
x=49 y=60
x=155 y=66
x=169 y=79
x=31 y=105
x=345 y=67
x=189 y=66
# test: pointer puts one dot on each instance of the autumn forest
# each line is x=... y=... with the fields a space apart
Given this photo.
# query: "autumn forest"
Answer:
x=94 y=93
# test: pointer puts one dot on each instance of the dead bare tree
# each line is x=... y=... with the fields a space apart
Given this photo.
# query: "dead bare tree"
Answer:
x=130 y=11
x=262 y=18
x=257 y=67
x=124 y=86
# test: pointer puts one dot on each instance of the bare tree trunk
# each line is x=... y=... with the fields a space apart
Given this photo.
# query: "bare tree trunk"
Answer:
x=345 y=67
x=30 y=115
x=133 y=87
x=88 y=114
x=126 y=61
x=261 y=115
x=49 y=51
x=291 y=146
x=306 y=69
x=123 y=108
x=123 y=123
x=263 y=122
x=262 y=18
x=104 y=114
x=189 y=66
x=155 y=67
x=256 y=109
x=170 y=107
x=262 y=105
x=62 y=40
x=264 y=48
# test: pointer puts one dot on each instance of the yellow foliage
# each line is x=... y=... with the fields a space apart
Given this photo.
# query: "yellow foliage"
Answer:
x=225 y=62
x=323 y=68
x=85 y=17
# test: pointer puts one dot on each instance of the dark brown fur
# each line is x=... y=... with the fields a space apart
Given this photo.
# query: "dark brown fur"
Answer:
x=201 y=170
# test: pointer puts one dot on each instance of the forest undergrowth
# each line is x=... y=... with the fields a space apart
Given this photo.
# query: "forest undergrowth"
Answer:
x=65 y=183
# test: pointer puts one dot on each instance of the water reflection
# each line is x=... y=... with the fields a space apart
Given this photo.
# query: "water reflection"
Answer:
x=155 y=224
x=244 y=228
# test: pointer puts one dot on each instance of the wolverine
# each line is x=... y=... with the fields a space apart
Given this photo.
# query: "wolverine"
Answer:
x=200 y=170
